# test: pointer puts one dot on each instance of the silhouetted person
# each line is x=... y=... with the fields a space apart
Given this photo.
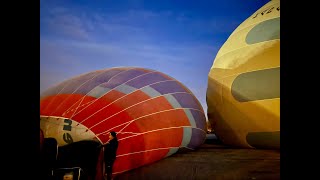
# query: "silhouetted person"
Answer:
x=41 y=140
x=110 y=150
x=49 y=156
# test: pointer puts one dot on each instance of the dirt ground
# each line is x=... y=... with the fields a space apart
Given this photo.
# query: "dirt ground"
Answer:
x=211 y=161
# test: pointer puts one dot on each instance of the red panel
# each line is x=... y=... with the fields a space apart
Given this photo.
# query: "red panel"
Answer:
x=106 y=124
x=99 y=167
x=96 y=107
x=165 y=119
x=41 y=139
x=104 y=137
x=99 y=106
x=151 y=140
x=67 y=103
x=114 y=108
x=54 y=102
x=145 y=108
x=125 y=163
x=78 y=105
x=148 y=107
x=131 y=99
x=84 y=103
x=44 y=104
x=163 y=138
x=112 y=96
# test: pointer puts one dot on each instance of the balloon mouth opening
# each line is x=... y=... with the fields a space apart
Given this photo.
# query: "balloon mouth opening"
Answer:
x=65 y=131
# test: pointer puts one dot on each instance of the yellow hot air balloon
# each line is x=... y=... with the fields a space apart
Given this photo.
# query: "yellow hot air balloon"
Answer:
x=243 y=93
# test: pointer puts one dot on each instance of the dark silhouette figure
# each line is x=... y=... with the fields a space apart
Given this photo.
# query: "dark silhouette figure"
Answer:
x=110 y=150
x=79 y=157
x=48 y=157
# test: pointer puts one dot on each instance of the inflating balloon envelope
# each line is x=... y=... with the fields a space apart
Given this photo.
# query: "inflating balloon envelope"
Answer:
x=243 y=93
x=153 y=114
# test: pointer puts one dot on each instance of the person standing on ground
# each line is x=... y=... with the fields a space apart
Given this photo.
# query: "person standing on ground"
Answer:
x=110 y=150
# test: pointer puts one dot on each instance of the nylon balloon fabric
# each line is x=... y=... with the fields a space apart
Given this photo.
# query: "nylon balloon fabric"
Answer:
x=153 y=114
x=243 y=93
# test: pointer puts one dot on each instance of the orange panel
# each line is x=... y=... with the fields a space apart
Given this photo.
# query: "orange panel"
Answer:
x=104 y=137
x=148 y=107
x=88 y=109
x=67 y=103
x=145 y=108
x=54 y=102
x=112 y=96
x=165 y=119
x=128 y=162
x=105 y=124
x=44 y=104
x=77 y=106
x=131 y=99
x=151 y=140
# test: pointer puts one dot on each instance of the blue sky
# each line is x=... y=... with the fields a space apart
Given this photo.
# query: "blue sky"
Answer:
x=178 y=38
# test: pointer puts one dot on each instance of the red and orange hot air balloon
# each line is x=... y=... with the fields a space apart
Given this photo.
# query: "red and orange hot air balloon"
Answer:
x=153 y=114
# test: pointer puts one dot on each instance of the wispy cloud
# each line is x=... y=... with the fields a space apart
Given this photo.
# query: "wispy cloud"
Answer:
x=187 y=64
x=178 y=43
x=129 y=25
